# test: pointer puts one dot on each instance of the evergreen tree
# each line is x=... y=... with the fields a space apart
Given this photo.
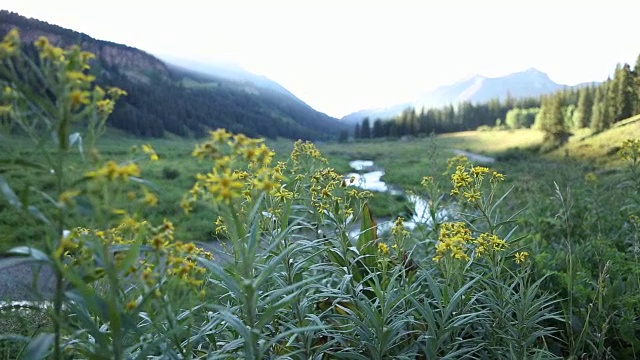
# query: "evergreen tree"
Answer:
x=553 y=121
x=598 y=111
x=636 y=71
x=377 y=131
x=582 y=115
x=626 y=94
x=356 y=132
x=365 y=129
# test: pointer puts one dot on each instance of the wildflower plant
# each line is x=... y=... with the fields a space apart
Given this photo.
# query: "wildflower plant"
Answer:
x=305 y=273
x=117 y=267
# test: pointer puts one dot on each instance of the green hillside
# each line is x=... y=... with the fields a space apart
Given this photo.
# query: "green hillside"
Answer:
x=168 y=99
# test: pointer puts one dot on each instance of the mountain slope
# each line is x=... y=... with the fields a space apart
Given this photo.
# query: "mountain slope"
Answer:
x=168 y=98
x=475 y=89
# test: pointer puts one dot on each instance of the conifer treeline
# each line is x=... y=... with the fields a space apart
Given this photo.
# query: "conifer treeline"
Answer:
x=594 y=106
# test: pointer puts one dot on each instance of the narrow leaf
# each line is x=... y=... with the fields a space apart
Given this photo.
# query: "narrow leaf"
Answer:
x=38 y=347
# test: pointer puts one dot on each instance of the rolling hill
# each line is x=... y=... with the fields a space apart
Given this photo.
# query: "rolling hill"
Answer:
x=184 y=100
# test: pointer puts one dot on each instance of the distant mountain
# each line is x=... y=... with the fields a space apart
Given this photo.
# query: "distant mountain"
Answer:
x=183 y=97
x=475 y=89
x=227 y=71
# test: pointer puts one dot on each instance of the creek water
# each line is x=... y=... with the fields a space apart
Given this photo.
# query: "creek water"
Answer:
x=368 y=176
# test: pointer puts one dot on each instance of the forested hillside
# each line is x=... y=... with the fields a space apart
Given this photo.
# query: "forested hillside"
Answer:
x=596 y=106
x=164 y=98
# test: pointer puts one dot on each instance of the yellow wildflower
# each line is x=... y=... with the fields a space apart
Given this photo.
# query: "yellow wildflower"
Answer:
x=220 y=135
x=41 y=42
x=105 y=106
x=80 y=77
x=131 y=305
x=479 y=171
x=158 y=242
x=79 y=98
x=496 y=176
x=590 y=178
x=521 y=257
x=149 y=198
x=426 y=181
x=472 y=195
x=283 y=194
x=115 y=92
x=224 y=186
x=66 y=197
x=147 y=149
x=383 y=248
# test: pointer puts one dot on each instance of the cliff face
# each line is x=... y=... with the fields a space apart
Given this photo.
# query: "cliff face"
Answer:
x=136 y=64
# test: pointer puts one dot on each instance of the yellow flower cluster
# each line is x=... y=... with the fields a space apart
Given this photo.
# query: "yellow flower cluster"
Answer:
x=242 y=169
x=178 y=258
x=454 y=240
x=305 y=150
x=489 y=242
x=147 y=149
x=383 y=248
x=112 y=171
x=467 y=181
x=324 y=182
x=398 y=230
x=61 y=69
x=10 y=44
x=427 y=181
x=457 y=241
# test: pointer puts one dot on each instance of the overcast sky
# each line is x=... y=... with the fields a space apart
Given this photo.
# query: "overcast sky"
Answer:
x=343 y=56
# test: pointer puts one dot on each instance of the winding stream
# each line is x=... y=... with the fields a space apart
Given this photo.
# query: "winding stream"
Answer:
x=368 y=176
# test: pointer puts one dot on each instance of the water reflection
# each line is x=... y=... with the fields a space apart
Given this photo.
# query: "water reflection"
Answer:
x=371 y=180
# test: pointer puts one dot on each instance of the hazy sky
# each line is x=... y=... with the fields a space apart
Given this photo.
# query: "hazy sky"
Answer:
x=343 y=56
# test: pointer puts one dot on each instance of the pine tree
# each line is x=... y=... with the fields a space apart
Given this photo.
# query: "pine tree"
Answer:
x=582 y=115
x=626 y=94
x=365 y=129
x=552 y=121
x=598 y=111
x=636 y=71
x=377 y=131
x=356 y=132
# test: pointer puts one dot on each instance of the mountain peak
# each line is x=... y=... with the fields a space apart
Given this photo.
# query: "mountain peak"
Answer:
x=530 y=82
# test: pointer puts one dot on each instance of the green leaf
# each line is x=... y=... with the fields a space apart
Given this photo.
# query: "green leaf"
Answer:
x=38 y=214
x=6 y=163
x=76 y=137
x=38 y=347
x=9 y=194
x=368 y=230
x=29 y=251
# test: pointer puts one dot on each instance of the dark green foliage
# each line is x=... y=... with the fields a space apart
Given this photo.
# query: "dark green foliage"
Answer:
x=365 y=129
x=599 y=112
x=582 y=115
x=521 y=118
x=170 y=173
x=636 y=72
x=552 y=120
x=621 y=94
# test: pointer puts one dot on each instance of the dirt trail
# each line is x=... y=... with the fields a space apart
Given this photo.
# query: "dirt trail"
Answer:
x=475 y=157
x=22 y=280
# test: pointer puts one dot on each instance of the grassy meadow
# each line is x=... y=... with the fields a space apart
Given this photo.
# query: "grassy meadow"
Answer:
x=533 y=256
